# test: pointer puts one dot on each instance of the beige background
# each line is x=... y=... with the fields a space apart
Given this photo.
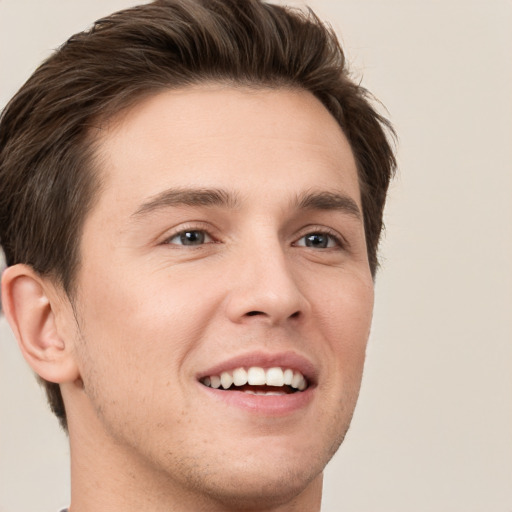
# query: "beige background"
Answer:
x=433 y=428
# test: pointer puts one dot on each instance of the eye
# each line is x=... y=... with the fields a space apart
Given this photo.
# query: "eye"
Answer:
x=319 y=240
x=190 y=237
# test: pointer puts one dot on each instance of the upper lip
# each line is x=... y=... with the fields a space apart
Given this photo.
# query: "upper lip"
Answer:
x=288 y=359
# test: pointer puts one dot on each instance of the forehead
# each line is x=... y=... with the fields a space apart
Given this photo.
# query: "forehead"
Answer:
x=223 y=137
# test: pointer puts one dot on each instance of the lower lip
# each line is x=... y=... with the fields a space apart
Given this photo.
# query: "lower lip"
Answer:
x=270 y=405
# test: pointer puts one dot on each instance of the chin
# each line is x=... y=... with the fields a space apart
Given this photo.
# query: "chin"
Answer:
x=264 y=476
x=249 y=489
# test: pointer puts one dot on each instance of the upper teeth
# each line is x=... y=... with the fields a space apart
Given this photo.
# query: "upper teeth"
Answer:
x=257 y=376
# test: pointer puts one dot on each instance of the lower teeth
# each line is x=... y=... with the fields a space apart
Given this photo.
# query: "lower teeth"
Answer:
x=265 y=393
x=286 y=390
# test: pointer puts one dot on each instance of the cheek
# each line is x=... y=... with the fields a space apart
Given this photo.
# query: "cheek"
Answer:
x=345 y=315
x=134 y=341
x=133 y=301
x=145 y=322
x=346 y=301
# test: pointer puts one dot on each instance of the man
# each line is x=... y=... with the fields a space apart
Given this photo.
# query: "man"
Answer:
x=191 y=202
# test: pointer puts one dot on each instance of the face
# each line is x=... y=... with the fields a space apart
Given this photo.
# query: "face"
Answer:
x=227 y=244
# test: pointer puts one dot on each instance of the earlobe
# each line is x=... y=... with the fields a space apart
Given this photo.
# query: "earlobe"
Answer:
x=31 y=307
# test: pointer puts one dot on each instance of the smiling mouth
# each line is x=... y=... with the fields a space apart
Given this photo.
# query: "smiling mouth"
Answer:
x=258 y=381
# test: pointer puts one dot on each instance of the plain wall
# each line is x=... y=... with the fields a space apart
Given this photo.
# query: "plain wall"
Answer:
x=433 y=428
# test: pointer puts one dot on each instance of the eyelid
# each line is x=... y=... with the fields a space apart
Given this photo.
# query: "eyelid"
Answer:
x=208 y=238
x=188 y=226
x=340 y=241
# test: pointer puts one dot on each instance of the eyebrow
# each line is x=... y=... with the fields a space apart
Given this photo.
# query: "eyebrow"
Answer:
x=222 y=198
x=188 y=197
x=329 y=201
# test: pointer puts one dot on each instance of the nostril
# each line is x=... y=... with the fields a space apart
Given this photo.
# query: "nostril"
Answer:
x=253 y=313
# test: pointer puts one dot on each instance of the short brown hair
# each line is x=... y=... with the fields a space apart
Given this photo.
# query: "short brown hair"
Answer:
x=47 y=178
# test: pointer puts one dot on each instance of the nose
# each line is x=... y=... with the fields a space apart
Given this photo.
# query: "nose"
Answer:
x=265 y=287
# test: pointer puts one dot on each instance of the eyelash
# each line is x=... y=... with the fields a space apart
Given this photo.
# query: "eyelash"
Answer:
x=191 y=229
x=339 y=242
x=333 y=235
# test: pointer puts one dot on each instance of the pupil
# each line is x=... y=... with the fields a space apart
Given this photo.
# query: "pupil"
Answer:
x=316 y=240
x=192 y=238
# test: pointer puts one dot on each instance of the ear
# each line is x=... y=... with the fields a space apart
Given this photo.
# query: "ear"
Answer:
x=39 y=316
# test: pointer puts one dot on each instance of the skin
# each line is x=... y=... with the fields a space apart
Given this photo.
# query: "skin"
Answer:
x=150 y=314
